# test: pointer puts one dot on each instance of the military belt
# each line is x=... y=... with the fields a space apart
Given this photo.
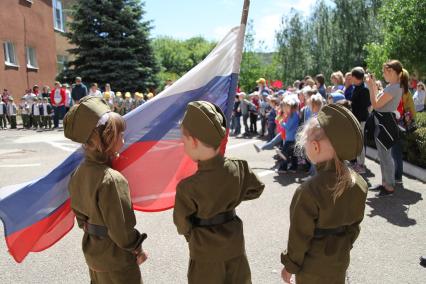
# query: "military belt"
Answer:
x=320 y=233
x=95 y=230
x=219 y=219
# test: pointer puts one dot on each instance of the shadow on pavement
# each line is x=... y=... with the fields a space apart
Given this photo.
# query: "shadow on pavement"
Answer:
x=395 y=208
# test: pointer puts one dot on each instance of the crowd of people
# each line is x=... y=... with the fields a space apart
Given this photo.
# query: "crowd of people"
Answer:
x=42 y=110
x=283 y=112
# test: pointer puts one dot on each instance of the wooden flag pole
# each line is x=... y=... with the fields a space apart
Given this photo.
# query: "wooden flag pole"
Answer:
x=244 y=15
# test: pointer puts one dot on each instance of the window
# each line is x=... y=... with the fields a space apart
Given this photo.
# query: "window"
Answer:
x=9 y=54
x=31 y=58
x=61 y=63
x=58 y=16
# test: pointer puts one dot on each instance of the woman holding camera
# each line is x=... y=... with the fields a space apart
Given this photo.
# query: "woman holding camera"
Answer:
x=386 y=131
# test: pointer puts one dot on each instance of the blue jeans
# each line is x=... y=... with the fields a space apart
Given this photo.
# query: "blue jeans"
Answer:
x=270 y=145
x=398 y=159
x=271 y=131
x=59 y=114
x=236 y=124
x=288 y=151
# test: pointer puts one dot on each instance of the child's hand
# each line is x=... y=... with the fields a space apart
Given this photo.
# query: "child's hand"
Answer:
x=286 y=276
x=141 y=257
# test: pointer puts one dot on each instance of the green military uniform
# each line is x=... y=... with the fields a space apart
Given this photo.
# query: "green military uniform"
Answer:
x=100 y=199
x=322 y=231
x=217 y=251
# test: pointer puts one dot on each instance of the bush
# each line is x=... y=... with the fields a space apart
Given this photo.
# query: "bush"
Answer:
x=421 y=119
x=415 y=147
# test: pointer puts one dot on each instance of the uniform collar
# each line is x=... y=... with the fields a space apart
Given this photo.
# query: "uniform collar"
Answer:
x=212 y=163
x=327 y=166
x=97 y=158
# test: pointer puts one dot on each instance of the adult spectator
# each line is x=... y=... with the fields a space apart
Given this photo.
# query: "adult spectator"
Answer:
x=57 y=99
x=360 y=104
x=108 y=89
x=5 y=96
x=244 y=107
x=68 y=99
x=386 y=130
x=78 y=91
x=419 y=97
x=36 y=90
x=349 y=87
x=94 y=90
x=338 y=81
x=407 y=114
x=320 y=81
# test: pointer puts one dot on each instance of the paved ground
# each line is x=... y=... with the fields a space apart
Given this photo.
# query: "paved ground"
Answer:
x=391 y=240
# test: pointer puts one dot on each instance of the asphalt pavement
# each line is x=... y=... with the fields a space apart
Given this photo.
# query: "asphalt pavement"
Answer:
x=393 y=233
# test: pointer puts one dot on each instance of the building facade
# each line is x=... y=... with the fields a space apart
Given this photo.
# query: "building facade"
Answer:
x=33 y=43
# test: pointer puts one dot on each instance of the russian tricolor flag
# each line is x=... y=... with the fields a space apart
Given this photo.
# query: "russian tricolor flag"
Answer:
x=37 y=214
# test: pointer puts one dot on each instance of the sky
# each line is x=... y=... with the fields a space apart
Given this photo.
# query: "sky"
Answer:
x=212 y=19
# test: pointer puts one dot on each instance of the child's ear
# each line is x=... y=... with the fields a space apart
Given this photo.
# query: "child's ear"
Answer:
x=316 y=147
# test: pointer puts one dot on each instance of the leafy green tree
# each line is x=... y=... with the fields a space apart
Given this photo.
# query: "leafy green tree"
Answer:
x=293 y=52
x=112 y=45
x=403 y=21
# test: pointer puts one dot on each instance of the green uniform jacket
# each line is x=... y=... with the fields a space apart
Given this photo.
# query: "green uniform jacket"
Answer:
x=313 y=207
x=219 y=185
x=100 y=196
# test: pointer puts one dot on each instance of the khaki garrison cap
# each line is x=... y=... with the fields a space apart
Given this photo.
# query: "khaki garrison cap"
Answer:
x=343 y=130
x=206 y=122
x=81 y=119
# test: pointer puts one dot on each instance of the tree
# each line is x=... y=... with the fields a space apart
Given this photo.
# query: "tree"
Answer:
x=293 y=49
x=403 y=22
x=112 y=45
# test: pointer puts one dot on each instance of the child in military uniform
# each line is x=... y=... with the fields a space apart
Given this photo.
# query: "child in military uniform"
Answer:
x=35 y=111
x=326 y=210
x=100 y=196
x=11 y=113
x=46 y=113
x=205 y=203
x=24 y=109
x=128 y=103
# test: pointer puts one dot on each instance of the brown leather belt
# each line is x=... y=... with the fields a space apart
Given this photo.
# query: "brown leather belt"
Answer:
x=320 y=233
x=95 y=230
x=219 y=219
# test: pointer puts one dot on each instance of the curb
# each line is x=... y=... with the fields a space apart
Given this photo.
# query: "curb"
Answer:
x=408 y=169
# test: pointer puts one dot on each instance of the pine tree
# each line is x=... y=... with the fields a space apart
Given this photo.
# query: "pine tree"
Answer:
x=112 y=45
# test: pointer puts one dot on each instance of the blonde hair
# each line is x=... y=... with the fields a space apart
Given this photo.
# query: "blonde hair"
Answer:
x=339 y=77
x=104 y=137
x=312 y=131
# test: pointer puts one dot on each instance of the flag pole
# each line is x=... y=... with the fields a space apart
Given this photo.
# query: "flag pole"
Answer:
x=240 y=47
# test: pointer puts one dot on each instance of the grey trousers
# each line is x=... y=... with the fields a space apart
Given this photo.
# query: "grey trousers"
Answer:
x=387 y=165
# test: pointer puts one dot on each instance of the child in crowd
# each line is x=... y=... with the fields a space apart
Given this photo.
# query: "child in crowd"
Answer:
x=24 y=109
x=128 y=103
x=11 y=112
x=291 y=111
x=280 y=137
x=236 y=117
x=35 y=111
x=118 y=103
x=271 y=115
x=326 y=210
x=138 y=99
x=3 y=114
x=338 y=82
x=46 y=114
x=254 y=111
x=204 y=210
x=263 y=109
x=360 y=108
x=100 y=197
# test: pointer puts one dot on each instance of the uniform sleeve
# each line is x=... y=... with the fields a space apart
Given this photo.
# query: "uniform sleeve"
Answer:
x=353 y=232
x=253 y=187
x=303 y=214
x=117 y=212
x=184 y=208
